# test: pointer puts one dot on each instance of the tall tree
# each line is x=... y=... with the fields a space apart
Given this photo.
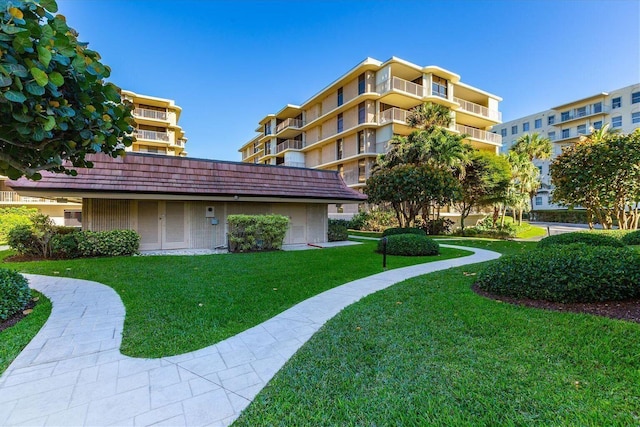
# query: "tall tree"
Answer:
x=55 y=106
x=532 y=147
x=429 y=115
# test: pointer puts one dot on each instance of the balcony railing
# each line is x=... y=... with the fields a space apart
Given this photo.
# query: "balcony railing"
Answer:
x=294 y=123
x=396 y=83
x=181 y=142
x=152 y=135
x=478 y=109
x=13 y=197
x=578 y=113
x=150 y=114
x=294 y=164
x=479 y=134
x=289 y=144
x=393 y=115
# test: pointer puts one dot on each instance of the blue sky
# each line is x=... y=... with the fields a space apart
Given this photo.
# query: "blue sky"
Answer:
x=230 y=63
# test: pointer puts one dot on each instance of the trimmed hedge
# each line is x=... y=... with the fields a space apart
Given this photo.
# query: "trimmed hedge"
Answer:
x=14 y=293
x=107 y=243
x=248 y=233
x=407 y=230
x=409 y=245
x=566 y=273
x=589 y=238
x=337 y=230
x=631 y=238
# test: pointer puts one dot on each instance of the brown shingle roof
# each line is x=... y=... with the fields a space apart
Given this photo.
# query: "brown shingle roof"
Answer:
x=151 y=174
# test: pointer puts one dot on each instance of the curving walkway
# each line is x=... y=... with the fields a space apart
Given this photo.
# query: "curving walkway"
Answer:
x=72 y=372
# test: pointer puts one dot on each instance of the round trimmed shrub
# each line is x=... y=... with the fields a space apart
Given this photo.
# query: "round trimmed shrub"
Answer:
x=566 y=273
x=632 y=238
x=14 y=293
x=409 y=245
x=589 y=238
x=337 y=230
x=406 y=230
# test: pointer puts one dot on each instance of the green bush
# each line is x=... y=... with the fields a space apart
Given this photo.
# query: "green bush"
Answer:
x=565 y=215
x=14 y=293
x=22 y=239
x=256 y=232
x=406 y=230
x=593 y=238
x=566 y=273
x=435 y=227
x=374 y=220
x=107 y=243
x=337 y=230
x=631 y=238
x=12 y=217
x=65 y=245
x=409 y=245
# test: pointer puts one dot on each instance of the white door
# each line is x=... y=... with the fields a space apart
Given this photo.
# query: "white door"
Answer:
x=162 y=225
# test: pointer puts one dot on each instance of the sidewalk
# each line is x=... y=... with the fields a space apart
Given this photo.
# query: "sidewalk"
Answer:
x=72 y=372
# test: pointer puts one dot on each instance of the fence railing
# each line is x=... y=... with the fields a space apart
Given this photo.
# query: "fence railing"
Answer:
x=289 y=144
x=150 y=114
x=294 y=123
x=478 y=109
x=402 y=85
x=479 y=134
x=152 y=135
x=12 y=196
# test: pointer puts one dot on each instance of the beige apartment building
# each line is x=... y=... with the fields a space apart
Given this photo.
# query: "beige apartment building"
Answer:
x=156 y=131
x=564 y=124
x=348 y=123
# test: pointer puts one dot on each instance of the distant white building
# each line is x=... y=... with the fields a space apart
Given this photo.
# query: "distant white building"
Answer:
x=564 y=124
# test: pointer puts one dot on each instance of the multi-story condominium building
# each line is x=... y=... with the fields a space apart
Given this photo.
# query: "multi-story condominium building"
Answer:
x=156 y=131
x=564 y=125
x=348 y=123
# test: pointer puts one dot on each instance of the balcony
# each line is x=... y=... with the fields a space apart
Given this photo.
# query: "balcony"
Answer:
x=480 y=110
x=481 y=135
x=181 y=142
x=150 y=114
x=289 y=123
x=294 y=164
x=13 y=197
x=152 y=135
x=579 y=113
x=289 y=144
x=393 y=115
x=400 y=85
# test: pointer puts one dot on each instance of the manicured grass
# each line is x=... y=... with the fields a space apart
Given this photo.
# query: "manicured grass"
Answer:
x=15 y=338
x=177 y=304
x=429 y=351
x=365 y=233
x=528 y=231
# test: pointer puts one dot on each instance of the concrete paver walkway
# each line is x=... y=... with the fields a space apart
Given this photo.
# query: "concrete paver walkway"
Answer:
x=72 y=372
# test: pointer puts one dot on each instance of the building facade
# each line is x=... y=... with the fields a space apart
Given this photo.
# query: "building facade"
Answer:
x=564 y=125
x=156 y=131
x=347 y=124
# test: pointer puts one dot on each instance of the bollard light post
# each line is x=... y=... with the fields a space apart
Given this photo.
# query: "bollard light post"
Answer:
x=384 y=253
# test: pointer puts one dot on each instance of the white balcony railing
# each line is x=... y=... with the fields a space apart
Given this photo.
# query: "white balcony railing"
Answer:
x=150 y=114
x=13 y=197
x=295 y=164
x=401 y=85
x=294 y=123
x=289 y=144
x=478 y=109
x=181 y=142
x=393 y=115
x=152 y=135
x=481 y=135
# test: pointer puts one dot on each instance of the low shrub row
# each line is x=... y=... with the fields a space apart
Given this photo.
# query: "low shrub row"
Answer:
x=338 y=230
x=403 y=230
x=588 y=238
x=249 y=233
x=631 y=238
x=14 y=293
x=409 y=245
x=564 y=215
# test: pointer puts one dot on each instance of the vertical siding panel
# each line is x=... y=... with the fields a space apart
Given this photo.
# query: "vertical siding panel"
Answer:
x=203 y=234
x=104 y=214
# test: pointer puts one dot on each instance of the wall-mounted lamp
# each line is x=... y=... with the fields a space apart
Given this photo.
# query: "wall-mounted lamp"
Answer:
x=236 y=197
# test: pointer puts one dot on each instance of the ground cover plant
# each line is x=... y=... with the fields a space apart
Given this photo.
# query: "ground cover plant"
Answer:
x=430 y=351
x=586 y=237
x=14 y=293
x=177 y=304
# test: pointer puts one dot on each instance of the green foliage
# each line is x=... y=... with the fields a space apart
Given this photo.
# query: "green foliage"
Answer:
x=409 y=245
x=338 y=230
x=376 y=219
x=65 y=245
x=106 y=243
x=593 y=238
x=14 y=293
x=256 y=232
x=569 y=216
x=632 y=238
x=403 y=230
x=566 y=273
x=23 y=241
x=13 y=216
x=34 y=239
x=54 y=103
x=438 y=226
x=486 y=228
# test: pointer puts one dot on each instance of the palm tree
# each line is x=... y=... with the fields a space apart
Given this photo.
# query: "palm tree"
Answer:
x=598 y=135
x=429 y=115
x=534 y=146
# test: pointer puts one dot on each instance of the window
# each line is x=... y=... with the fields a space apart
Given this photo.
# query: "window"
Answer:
x=340 y=97
x=525 y=126
x=503 y=132
x=72 y=218
x=564 y=116
x=581 y=112
x=597 y=125
x=339 y=149
x=361 y=142
x=616 y=122
x=439 y=87
x=538 y=123
x=340 y=169
x=551 y=120
x=552 y=135
x=566 y=133
x=582 y=129
x=362 y=169
x=514 y=129
x=340 y=123
x=597 y=107
x=361 y=84
x=635 y=97
x=267 y=128
x=538 y=200
x=635 y=117
x=616 y=102
x=361 y=113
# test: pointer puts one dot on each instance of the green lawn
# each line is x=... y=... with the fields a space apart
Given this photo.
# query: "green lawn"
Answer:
x=15 y=338
x=177 y=304
x=429 y=351
x=527 y=231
